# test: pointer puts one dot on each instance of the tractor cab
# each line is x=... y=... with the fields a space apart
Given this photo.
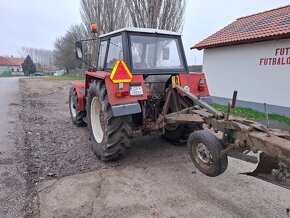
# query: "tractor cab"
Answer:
x=145 y=51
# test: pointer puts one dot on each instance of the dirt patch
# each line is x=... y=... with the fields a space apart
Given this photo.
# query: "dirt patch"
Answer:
x=53 y=146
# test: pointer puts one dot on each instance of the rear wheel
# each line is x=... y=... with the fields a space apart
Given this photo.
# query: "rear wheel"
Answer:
x=76 y=115
x=179 y=133
x=110 y=136
x=204 y=149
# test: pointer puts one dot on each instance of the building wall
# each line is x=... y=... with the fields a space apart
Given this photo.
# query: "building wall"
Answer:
x=16 y=69
x=249 y=69
x=4 y=68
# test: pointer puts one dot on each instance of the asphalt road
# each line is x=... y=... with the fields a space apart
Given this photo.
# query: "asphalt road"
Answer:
x=9 y=94
x=12 y=183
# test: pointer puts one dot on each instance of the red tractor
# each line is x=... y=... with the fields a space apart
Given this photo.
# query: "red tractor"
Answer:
x=142 y=85
x=127 y=91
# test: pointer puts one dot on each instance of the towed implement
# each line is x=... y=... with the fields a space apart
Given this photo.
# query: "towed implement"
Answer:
x=142 y=85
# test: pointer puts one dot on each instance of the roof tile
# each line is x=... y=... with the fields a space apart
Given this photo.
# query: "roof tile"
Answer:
x=5 y=61
x=273 y=24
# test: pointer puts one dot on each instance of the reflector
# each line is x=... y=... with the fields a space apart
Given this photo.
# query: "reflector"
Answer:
x=121 y=73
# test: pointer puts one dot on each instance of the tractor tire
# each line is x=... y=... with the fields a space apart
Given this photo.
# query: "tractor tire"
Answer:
x=110 y=136
x=204 y=149
x=178 y=134
x=76 y=115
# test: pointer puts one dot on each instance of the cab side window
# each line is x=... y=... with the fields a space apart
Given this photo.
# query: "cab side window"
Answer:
x=115 y=51
x=102 y=54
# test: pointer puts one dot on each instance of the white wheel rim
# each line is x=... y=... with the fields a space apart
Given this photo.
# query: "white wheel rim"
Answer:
x=96 y=108
x=202 y=155
x=72 y=107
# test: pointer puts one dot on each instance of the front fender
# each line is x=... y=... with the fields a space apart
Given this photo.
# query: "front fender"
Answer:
x=80 y=89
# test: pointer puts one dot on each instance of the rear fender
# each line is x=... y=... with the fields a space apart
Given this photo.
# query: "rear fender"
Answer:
x=113 y=88
x=97 y=75
x=80 y=89
x=192 y=81
x=127 y=104
x=124 y=105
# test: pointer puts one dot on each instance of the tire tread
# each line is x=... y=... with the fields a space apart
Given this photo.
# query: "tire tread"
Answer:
x=116 y=142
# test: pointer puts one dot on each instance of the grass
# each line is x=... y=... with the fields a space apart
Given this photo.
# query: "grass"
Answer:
x=251 y=114
x=64 y=77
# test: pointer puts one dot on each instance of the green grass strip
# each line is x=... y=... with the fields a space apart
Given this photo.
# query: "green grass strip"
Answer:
x=251 y=114
x=65 y=77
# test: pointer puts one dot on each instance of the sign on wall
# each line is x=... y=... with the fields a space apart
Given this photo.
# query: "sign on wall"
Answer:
x=281 y=57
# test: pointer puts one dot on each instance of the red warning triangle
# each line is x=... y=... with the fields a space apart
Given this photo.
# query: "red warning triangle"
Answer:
x=121 y=73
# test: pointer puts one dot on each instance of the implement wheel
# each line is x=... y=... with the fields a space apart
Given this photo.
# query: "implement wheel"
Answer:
x=76 y=115
x=109 y=135
x=204 y=149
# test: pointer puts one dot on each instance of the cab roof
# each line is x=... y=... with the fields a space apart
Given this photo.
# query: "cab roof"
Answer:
x=142 y=30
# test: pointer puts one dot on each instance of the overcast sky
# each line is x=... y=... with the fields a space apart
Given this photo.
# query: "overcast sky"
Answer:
x=37 y=23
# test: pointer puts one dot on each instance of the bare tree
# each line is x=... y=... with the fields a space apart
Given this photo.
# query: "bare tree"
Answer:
x=108 y=14
x=64 y=55
x=114 y=14
x=160 y=14
x=39 y=56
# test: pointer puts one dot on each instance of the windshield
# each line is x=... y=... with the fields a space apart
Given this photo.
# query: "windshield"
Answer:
x=151 y=52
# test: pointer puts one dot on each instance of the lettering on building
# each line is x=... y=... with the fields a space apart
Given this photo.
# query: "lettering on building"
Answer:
x=281 y=57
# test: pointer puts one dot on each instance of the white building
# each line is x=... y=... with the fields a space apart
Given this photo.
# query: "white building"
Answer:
x=252 y=56
x=11 y=66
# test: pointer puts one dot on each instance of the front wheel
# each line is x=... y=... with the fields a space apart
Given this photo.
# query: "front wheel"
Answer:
x=110 y=136
x=76 y=115
x=205 y=152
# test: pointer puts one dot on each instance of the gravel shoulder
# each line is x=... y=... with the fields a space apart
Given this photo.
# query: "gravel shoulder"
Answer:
x=155 y=179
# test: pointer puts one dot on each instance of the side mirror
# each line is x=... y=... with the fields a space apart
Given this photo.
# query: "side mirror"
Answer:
x=79 y=50
x=165 y=53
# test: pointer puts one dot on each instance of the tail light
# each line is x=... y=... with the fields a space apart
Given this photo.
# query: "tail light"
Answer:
x=201 y=84
x=121 y=94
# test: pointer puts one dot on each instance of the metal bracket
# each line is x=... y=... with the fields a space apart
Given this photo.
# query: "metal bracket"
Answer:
x=199 y=102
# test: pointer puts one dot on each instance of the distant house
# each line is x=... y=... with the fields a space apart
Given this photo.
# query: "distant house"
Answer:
x=11 y=65
x=251 y=55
